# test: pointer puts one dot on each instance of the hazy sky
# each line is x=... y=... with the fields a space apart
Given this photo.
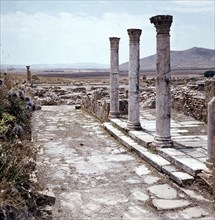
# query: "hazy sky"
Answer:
x=60 y=31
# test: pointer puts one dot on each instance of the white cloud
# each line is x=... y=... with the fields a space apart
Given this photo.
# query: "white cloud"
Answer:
x=194 y=6
x=65 y=37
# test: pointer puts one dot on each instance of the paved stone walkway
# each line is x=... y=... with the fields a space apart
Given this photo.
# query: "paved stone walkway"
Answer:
x=189 y=134
x=95 y=177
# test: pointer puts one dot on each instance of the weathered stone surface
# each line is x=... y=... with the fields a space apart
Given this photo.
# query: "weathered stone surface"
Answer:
x=163 y=97
x=151 y=179
x=28 y=75
x=181 y=178
x=134 y=90
x=92 y=175
x=163 y=191
x=164 y=204
x=209 y=90
x=141 y=137
x=139 y=195
x=190 y=165
x=136 y=212
x=114 y=78
x=189 y=102
x=142 y=170
x=211 y=134
x=193 y=212
x=195 y=195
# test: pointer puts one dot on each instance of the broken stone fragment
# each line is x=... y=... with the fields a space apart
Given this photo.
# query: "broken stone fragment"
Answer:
x=45 y=197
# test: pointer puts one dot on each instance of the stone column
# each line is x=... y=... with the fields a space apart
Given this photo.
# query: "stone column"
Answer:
x=133 y=85
x=28 y=75
x=163 y=97
x=211 y=134
x=209 y=91
x=114 y=77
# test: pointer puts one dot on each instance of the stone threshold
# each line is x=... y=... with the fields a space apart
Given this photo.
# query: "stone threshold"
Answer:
x=174 y=155
x=139 y=143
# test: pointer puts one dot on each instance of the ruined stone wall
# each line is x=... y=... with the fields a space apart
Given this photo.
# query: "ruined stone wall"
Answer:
x=98 y=104
x=189 y=102
x=194 y=102
x=190 y=98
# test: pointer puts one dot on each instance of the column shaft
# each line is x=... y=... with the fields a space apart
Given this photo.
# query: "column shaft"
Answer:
x=28 y=75
x=163 y=94
x=211 y=134
x=114 y=77
x=133 y=87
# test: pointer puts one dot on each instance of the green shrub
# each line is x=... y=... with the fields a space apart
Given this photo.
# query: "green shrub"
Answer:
x=209 y=73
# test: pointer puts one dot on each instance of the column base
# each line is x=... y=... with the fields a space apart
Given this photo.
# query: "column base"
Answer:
x=134 y=126
x=114 y=115
x=162 y=142
x=209 y=164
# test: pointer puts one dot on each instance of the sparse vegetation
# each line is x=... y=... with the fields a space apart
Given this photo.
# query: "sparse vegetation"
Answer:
x=16 y=157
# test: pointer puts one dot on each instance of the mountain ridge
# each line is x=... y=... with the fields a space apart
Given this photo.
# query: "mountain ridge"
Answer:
x=193 y=58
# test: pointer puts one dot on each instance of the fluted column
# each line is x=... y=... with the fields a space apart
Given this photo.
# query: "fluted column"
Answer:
x=163 y=97
x=114 y=77
x=28 y=75
x=133 y=87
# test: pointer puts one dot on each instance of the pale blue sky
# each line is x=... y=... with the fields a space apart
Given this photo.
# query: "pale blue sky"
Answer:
x=78 y=31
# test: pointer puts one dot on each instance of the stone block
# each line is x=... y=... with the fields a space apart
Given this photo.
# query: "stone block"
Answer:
x=164 y=204
x=141 y=137
x=190 y=165
x=181 y=178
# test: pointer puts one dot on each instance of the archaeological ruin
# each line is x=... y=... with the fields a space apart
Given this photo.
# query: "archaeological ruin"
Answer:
x=28 y=75
x=167 y=120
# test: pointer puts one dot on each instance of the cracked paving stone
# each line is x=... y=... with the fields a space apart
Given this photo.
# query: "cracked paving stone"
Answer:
x=101 y=179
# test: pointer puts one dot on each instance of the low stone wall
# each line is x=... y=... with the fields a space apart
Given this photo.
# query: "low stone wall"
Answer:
x=98 y=104
x=192 y=100
x=189 y=102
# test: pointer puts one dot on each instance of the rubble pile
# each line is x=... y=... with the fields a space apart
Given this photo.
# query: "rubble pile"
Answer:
x=55 y=95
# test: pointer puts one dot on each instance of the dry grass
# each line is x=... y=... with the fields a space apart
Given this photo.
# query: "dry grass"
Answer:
x=17 y=154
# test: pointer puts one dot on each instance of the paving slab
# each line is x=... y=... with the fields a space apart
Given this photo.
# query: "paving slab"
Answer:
x=163 y=191
x=192 y=161
x=154 y=159
x=167 y=204
x=193 y=213
x=93 y=176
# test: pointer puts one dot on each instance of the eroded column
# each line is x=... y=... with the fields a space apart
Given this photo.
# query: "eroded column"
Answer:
x=163 y=97
x=28 y=75
x=211 y=134
x=133 y=86
x=114 y=77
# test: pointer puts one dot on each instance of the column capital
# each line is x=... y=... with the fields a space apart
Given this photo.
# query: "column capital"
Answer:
x=114 y=42
x=28 y=67
x=134 y=35
x=162 y=23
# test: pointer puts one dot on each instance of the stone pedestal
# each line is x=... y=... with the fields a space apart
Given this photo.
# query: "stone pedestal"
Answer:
x=163 y=97
x=211 y=134
x=28 y=75
x=114 y=77
x=133 y=87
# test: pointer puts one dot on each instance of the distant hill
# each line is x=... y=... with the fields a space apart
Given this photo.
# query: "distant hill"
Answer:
x=194 y=58
x=57 y=66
